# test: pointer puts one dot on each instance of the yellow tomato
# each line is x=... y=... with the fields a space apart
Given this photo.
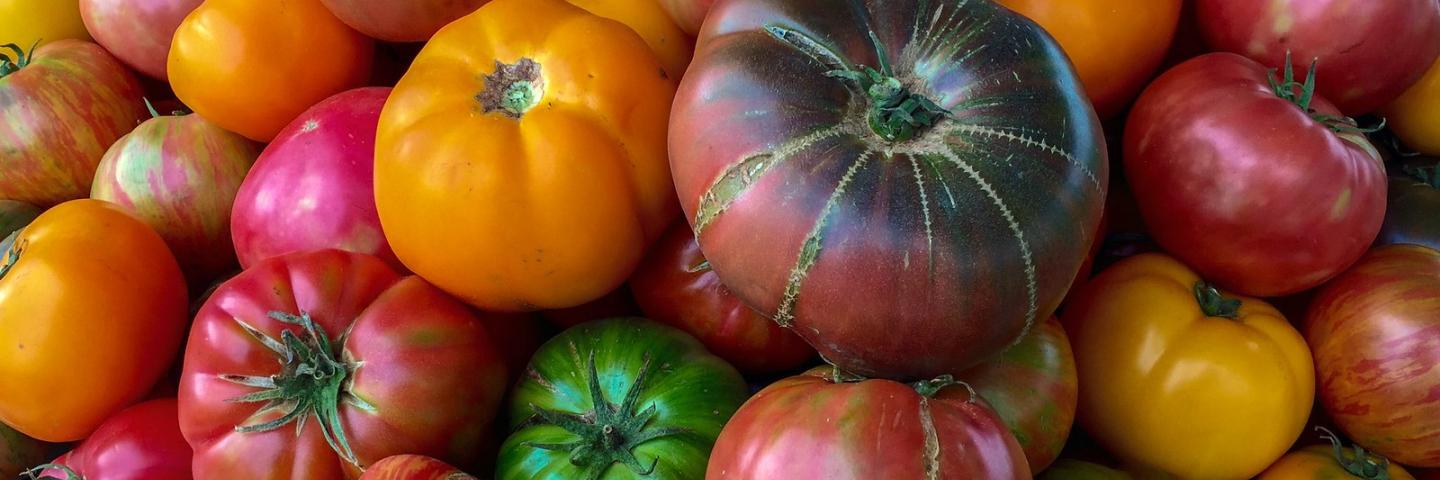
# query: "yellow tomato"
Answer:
x=1415 y=116
x=1332 y=462
x=23 y=22
x=1184 y=379
x=648 y=19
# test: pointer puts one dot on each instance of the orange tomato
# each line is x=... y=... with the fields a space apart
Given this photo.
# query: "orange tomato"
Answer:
x=1415 y=116
x=523 y=165
x=648 y=19
x=252 y=67
x=92 y=310
x=1116 y=45
x=1334 y=461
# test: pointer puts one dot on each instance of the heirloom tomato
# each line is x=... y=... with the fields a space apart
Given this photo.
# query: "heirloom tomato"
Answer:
x=886 y=179
x=1180 y=377
x=400 y=20
x=521 y=165
x=18 y=452
x=413 y=467
x=92 y=311
x=138 y=32
x=142 y=442
x=647 y=18
x=1412 y=213
x=31 y=22
x=689 y=15
x=1034 y=389
x=1415 y=116
x=1334 y=461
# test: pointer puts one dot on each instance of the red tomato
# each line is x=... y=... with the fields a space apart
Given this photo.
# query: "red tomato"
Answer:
x=413 y=467
x=142 y=442
x=688 y=14
x=400 y=20
x=1034 y=389
x=137 y=31
x=369 y=365
x=1247 y=187
x=675 y=285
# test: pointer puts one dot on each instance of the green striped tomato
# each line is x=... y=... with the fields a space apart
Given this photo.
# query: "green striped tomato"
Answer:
x=1034 y=389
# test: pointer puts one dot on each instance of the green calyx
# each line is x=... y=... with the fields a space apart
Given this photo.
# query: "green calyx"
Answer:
x=34 y=473
x=312 y=381
x=512 y=89
x=21 y=60
x=1214 y=303
x=895 y=113
x=1426 y=175
x=12 y=251
x=1286 y=89
x=610 y=433
x=1362 y=464
x=928 y=388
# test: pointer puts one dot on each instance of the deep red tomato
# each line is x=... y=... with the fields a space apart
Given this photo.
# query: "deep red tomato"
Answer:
x=369 y=365
x=313 y=187
x=138 y=32
x=1374 y=332
x=1370 y=52
x=675 y=285
x=413 y=467
x=63 y=105
x=1034 y=389
x=400 y=20
x=688 y=14
x=142 y=442
x=815 y=426
x=1213 y=150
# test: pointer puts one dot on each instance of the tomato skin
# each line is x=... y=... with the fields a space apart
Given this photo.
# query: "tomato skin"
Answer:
x=413 y=467
x=672 y=287
x=253 y=68
x=400 y=20
x=1415 y=116
x=1164 y=386
x=1369 y=52
x=61 y=114
x=1373 y=330
x=142 y=442
x=1116 y=45
x=313 y=187
x=25 y=22
x=1211 y=153
x=669 y=43
x=688 y=14
x=88 y=274
x=138 y=32
x=1034 y=390
x=1318 y=462
x=500 y=211
x=179 y=174
x=1410 y=209
x=426 y=364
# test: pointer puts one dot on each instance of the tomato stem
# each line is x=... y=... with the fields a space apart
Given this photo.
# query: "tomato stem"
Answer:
x=1362 y=464
x=1426 y=175
x=1286 y=90
x=896 y=113
x=8 y=66
x=928 y=388
x=1214 y=303
x=512 y=89
x=34 y=473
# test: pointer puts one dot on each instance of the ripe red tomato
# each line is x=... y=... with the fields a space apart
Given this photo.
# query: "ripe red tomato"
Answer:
x=413 y=467
x=1034 y=389
x=138 y=32
x=1213 y=151
x=142 y=442
x=360 y=363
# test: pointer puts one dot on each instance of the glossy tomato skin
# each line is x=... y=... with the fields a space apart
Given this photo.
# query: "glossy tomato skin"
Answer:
x=1116 y=45
x=25 y=22
x=1167 y=387
x=1211 y=153
x=60 y=115
x=676 y=286
x=15 y=216
x=18 y=452
x=87 y=274
x=252 y=68
x=138 y=32
x=1318 y=462
x=400 y=20
x=423 y=362
x=549 y=210
x=313 y=187
x=648 y=19
x=904 y=258
x=413 y=467
x=1369 y=52
x=1414 y=198
x=179 y=174
x=808 y=426
x=142 y=442
x=1034 y=390
x=688 y=14
x=1415 y=116
x=1373 y=330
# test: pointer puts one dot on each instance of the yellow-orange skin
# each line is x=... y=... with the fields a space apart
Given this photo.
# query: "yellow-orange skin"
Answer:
x=1415 y=116
x=1317 y=462
x=671 y=45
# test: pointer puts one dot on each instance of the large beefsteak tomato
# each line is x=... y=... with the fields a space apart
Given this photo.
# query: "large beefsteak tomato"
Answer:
x=400 y=20
x=618 y=399
x=1412 y=213
x=909 y=186
x=138 y=32
x=413 y=467
x=61 y=106
x=142 y=442
x=1317 y=462
x=1415 y=116
x=92 y=311
x=1215 y=147
x=522 y=165
x=313 y=187
x=1034 y=389
x=314 y=365
x=1375 y=330
x=1182 y=378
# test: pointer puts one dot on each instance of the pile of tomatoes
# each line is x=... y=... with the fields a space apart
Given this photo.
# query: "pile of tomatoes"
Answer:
x=719 y=239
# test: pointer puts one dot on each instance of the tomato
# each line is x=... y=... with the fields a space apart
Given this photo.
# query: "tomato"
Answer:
x=413 y=467
x=1415 y=116
x=675 y=285
x=1374 y=331
x=18 y=452
x=64 y=106
x=30 y=22
x=142 y=442
x=400 y=20
x=313 y=187
x=385 y=365
x=669 y=43
x=1414 y=197
x=252 y=68
x=1068 y=469
x=92 y=310
x=1116 y=45
x=138 y=32
x=1185 y=379
x=618 y=399
x=179 y=174
x=521 y=165
x=1369 y=52
x=816 y=425
x=907 y=235
x=1333 y=461
x=1033 y=388
x=13 y=217
x=689 y=15
x=1213 y=150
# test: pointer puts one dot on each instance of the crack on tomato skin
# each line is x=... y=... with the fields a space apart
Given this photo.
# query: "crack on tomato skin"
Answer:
x=932 y=440
x=740 y=176
x=810 y=250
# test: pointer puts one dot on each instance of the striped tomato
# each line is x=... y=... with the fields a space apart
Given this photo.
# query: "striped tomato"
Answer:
x=1034 y=389
x=413 y=467
x=138 y=32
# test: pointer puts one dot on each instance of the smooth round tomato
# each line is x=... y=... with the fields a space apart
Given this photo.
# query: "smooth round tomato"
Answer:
x=1116 y=45
x=92 y=311
x=28 y=22
x=688 y=14
x=413 y=467
x=253 y=67
x=1415 y=116
x=1183 y=378
x=1334 y=461
x=18 y=452
x=1414 y=199
x=142 y=442
x=1213 y=150
x=669 y=43
x=522 y=165
x=400 y=20
x=1033 y=388
x=138 y=32
x=362 y=364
